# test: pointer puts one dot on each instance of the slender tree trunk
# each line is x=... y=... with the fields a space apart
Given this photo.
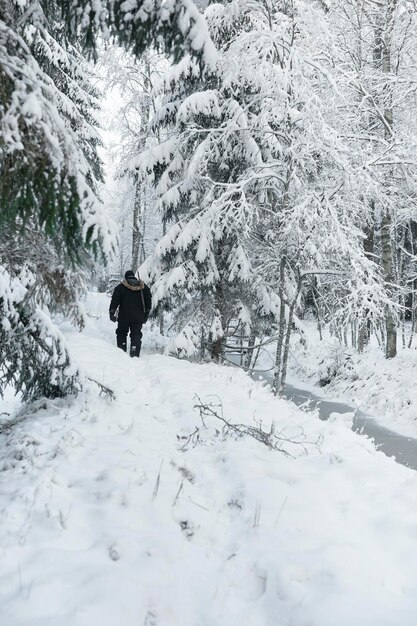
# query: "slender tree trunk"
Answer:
x=281 y=328
x=412 y=229
x=161 y=316
x=383 y=334
x=354 y=330
x=249 y=354
x=137 y=235
x=403 y=320
x=139 y=207
x=316 y=304
x=382 y=55
x=400 y=261
x=287 y=339
x=364 y=331
x=255 y=359
x=216 y=350
x=363 y=336
x=202 y=342
x=413 y=320
x=387 y=264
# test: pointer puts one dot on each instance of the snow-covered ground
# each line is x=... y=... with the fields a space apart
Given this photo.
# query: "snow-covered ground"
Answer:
x=114 y=513
x=386 y=388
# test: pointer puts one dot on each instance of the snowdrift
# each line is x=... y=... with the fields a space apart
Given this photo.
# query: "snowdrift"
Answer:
x=147 y=510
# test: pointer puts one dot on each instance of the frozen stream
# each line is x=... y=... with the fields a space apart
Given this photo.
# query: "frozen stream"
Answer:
x=404 y=449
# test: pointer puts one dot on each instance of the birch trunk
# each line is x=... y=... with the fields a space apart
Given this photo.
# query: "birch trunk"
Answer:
x=383 y=51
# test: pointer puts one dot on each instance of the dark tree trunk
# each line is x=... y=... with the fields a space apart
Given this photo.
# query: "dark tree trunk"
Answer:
x=364 y=331
x=382 y=56
x=216 y=349
x=287 y=339
x=281 y=329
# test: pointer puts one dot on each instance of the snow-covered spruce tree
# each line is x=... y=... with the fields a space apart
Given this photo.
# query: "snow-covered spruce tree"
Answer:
x=50 y=214
x=206 y=170
x=48 y=167
x=175 y=26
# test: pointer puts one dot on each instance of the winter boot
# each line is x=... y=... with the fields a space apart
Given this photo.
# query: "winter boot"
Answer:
x=121 y=341
x=135 y=350
x=135 y=338
x=122 y=345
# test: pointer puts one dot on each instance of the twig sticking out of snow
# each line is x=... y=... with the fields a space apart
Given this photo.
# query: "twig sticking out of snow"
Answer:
x=257 y=516
x=193 y=437
x=158 y=479
x=103 y=389
x=272 y=439
x=178 y=493
x=150 y=619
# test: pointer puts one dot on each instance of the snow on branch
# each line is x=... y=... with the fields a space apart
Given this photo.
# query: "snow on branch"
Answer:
x=31 y=121
x=33 y=353
x=199 y=103
x=176 y=26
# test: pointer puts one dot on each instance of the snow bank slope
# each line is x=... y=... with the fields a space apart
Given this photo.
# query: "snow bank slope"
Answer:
x=106 y=521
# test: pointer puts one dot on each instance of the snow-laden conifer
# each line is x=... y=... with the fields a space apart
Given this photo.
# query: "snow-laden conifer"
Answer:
x=203 y=173
x=50 y=170
x=252 y=175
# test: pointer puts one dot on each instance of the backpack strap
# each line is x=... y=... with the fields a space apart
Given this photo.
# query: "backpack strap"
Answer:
x=141 y=293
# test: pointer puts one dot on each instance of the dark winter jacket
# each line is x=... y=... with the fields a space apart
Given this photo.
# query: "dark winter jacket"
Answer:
x=134 y=300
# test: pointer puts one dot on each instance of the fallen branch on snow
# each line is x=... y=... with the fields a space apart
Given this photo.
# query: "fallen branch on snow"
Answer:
x=271 y=438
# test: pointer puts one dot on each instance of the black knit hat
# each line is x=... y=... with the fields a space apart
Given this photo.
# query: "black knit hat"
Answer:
x=130 y=274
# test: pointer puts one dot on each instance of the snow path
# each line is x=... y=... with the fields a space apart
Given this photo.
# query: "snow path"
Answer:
x=105 y=520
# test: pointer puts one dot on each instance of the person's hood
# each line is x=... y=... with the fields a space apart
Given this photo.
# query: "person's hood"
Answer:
x=133 y=283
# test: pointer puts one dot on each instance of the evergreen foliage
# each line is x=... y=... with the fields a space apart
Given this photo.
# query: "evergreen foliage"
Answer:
x=174 y=26
x=202 y=174
x=255 y=181
x=50 y=171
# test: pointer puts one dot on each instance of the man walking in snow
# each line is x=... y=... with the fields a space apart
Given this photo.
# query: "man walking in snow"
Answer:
x=133 y=300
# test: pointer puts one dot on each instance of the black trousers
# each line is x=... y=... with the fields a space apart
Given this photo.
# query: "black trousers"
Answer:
x=135 y=328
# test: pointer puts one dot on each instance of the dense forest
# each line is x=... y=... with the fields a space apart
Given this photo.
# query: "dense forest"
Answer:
x=269 y=145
